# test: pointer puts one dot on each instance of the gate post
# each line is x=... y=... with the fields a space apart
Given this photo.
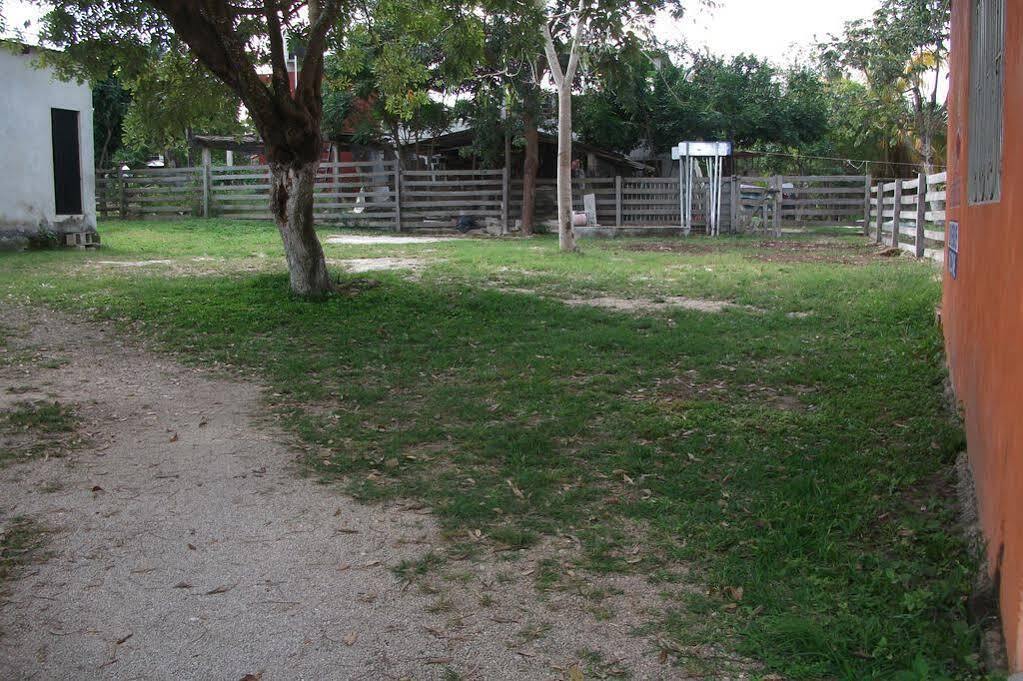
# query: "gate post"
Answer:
x=397 y=196
x=897 y=214
x=733 y=204
x=921 y=213
x=618 y=200
x=122 y=181
x=505 y=197
x=880 y=212
x=207 y=162
x=779 y=185
x=866 y=205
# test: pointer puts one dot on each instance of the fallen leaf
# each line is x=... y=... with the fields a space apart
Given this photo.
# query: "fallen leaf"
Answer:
x=125 y=638
x=350 y=638
x=735 y=592
x=515 y=490
x=182 y=585
x=203 y=422
x=574 y=673
x=173 y=438
x=191 y=547
x=222 y=589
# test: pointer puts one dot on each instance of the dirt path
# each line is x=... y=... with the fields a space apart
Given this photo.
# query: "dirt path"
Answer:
x=183 y=545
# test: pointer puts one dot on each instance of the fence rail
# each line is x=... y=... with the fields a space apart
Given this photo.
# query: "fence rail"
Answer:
x=378 y=194
x=910 y=215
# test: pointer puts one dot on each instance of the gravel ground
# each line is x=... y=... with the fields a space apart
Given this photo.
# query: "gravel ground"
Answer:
x=184 y=545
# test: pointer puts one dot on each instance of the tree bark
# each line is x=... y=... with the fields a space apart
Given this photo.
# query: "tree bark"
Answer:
x=530 y=167
x=287 y=119
x=291 y=202
x=566 y=232
x=563 y=79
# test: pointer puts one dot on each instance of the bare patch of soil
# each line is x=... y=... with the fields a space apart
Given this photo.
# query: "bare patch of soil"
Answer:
x=370 y=240
x=680 y=246
x=357 y=265
x=647 y=304
x=815 y=251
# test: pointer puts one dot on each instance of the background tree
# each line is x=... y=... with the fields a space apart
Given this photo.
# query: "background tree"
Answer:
x=173 y=99
x=232 y=40
x=110 y=102
x=567 y=31
x=902 y=52
x=399 y=60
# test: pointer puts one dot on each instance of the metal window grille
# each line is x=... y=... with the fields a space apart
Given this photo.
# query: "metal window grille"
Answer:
x=987 y=55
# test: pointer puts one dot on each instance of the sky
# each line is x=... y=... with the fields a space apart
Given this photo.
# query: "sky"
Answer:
x=780 y=30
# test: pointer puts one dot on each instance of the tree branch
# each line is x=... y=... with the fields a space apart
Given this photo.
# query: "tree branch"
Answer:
x=552 y=56
x=278 y=59
x=321 y=20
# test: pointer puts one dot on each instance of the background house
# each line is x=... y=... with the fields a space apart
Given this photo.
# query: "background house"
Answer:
x=46 y=126
x=983 y=288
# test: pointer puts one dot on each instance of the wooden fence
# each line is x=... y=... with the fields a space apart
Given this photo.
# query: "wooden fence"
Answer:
x=910 y=214
x=377 y=194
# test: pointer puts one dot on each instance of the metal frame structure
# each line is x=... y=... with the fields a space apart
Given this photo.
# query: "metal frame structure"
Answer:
x=690 y=155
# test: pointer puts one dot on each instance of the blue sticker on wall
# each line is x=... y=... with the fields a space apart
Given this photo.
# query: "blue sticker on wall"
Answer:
x=953 y=249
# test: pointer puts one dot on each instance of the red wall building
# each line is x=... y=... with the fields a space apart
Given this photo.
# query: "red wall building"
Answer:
x=983 y=280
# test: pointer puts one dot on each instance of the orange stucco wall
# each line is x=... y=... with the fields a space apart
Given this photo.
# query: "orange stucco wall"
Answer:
x=983 y=318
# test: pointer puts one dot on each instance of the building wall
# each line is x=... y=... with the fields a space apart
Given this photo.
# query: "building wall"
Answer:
x=983 y=317
x=26 y=192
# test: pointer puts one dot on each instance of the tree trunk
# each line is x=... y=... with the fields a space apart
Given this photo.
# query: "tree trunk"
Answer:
x=530 y=167
x=291 y=202
x=566 y=233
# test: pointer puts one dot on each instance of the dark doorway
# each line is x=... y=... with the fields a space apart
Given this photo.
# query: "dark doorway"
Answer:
x=67 y=170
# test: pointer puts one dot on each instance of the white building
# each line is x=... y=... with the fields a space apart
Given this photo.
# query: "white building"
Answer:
x=48 y=181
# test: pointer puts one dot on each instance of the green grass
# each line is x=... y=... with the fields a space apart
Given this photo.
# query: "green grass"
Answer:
x=31 y=429
x=21 y=542
x=798 y=448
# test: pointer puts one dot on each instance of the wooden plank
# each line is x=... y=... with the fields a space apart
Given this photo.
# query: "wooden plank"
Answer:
x=859 y=179
x=858 y=202
x=937 y=178
x=935 y=216
x=441 y=175
x=934 y=235
x=824 y=191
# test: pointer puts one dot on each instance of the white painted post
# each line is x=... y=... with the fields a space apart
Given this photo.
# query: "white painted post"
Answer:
x=866 y=205
x=897 y=214
x=921 y=213
x=880 y=211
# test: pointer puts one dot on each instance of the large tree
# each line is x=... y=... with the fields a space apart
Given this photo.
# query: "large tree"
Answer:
x=902 y=52
x=569 y=28
x=232 y=40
